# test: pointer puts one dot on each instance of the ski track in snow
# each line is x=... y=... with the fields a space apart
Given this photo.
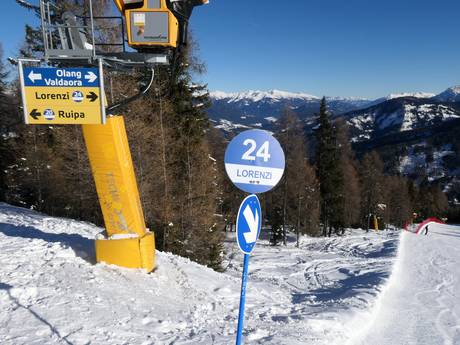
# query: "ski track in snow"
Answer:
x=329 y=291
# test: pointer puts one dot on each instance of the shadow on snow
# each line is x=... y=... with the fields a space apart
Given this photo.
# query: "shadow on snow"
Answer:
x=82 y=246
x=353 y=283
x=351 y=286
x=7 y=288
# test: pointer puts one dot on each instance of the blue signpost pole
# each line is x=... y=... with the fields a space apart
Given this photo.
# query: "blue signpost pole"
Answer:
x=239 y=334
x=254 y=161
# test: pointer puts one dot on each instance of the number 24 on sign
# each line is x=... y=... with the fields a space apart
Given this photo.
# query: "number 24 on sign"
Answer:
x=262 y=152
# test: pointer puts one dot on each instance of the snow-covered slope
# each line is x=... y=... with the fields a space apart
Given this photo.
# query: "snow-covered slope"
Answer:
x=51 y=292
x=399 y=115
x=328 y=291
x=421 y=303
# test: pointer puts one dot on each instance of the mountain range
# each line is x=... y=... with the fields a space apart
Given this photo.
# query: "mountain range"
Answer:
x=253 y=109
x=415 y=133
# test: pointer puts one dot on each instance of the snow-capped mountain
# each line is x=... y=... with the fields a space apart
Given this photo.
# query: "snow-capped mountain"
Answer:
x=422 y=95
x=230 y=111
x=410 y=94
x=256 y=96
x=368 y=118
x=452 y=94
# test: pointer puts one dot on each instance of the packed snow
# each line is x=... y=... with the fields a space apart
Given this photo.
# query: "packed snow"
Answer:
x=324 y=292
x=420 y=304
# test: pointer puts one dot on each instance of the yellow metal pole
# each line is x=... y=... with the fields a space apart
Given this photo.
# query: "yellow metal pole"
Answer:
x=376 y=223
x=128 y=243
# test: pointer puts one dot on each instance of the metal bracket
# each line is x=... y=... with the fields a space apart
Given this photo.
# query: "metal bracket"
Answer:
x=73 y=38
x=66 y=39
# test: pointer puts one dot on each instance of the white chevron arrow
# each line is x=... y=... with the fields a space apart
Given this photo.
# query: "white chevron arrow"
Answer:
x=253 y=223
x=91 y=77
x=34 y=76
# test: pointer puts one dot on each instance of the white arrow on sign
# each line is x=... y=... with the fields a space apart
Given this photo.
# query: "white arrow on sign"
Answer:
x=91 y=77
x=253 y=223
x=34 y=76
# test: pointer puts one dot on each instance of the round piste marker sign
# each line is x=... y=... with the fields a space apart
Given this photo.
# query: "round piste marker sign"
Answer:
x=254 y=161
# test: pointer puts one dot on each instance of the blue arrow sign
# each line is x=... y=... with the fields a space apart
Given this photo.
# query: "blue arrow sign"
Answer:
x=247 y=232
x=254 y=161
x=61 y=77
x=248 y=223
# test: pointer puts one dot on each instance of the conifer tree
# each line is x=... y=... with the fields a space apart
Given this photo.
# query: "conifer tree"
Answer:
x=311 y=202
x=184 y=172
x=432 y=201
x=398 y=204
x=330 y=174
x=34 y=46
x=5 y=108
x=351 y=187
x=298 y=186
x=229 y=197
x=75 y=176
x=372 y=184
x=291 y=139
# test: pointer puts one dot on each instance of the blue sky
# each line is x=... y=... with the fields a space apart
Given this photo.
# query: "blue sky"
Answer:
x=366 y=48
x=12 y=21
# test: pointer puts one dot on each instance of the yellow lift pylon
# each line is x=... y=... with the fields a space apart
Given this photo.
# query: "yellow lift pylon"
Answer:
x=128 y=243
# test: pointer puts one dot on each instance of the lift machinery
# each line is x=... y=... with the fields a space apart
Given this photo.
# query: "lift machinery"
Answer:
x=156 y=24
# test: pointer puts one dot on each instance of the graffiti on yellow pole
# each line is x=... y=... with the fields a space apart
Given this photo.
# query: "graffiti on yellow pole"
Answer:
x=62 y=95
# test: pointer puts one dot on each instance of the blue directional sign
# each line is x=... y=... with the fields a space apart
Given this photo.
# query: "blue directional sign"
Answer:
x=254 y=161
x=61 y=77
x=248 y=223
